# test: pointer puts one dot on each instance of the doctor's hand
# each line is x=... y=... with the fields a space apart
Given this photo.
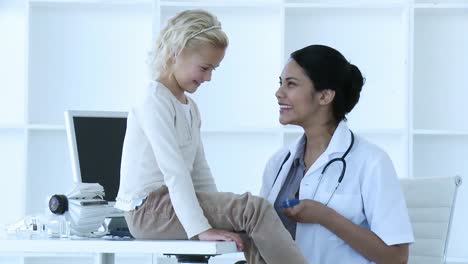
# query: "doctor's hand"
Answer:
x=308 y=211
x=222 y=235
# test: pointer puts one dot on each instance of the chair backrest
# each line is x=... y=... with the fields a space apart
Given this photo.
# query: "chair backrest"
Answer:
x=430 y=204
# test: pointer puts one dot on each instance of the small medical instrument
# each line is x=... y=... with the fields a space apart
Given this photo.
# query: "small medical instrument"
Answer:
x=290 y=203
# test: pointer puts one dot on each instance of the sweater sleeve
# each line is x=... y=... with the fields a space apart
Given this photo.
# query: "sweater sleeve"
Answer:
x=201 y=173
x=157 y=121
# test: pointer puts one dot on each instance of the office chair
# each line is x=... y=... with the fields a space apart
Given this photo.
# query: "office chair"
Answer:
x=431 y=203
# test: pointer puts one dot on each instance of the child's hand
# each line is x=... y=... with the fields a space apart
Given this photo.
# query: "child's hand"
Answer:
x=222 y=235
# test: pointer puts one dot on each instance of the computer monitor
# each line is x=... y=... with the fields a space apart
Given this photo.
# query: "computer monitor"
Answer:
x=95 y=140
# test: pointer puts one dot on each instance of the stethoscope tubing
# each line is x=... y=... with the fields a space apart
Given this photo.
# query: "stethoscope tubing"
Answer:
x=342 y=174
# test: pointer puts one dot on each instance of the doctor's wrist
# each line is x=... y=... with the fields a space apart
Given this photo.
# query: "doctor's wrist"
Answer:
x=326 y=214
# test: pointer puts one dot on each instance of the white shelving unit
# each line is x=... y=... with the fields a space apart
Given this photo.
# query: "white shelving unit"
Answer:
x=439 y=129
x=82 y=55
x=92 y=54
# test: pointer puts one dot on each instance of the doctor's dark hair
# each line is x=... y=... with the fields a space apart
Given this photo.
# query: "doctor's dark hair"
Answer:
x=327 y=68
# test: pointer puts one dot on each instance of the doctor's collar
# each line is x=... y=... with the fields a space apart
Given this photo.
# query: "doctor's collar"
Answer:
x=340 y=140
x=338 y=143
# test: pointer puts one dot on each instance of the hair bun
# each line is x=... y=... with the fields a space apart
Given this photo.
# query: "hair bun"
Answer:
x=355 y=83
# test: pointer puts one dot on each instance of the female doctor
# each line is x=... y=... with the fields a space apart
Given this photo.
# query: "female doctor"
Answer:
x=351 y=207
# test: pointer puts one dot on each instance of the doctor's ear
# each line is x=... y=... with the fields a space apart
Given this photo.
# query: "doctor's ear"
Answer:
x=326 y=96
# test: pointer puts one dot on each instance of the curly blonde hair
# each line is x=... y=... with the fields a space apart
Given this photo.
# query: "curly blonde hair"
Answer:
x=188 y=29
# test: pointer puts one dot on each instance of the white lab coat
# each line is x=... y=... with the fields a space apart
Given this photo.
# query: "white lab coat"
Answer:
x=369 y=195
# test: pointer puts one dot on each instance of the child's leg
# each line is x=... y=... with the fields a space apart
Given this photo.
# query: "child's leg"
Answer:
x=251 y=253
x=155 y=218
x=253 y=215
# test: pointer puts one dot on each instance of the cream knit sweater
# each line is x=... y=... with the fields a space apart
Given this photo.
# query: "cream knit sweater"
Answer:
x=161 y=148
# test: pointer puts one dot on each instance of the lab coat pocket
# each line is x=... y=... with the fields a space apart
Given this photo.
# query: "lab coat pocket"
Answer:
x=325 y=233
x=348 y=205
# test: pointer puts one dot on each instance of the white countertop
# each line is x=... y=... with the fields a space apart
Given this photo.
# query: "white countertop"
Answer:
x=79 y=245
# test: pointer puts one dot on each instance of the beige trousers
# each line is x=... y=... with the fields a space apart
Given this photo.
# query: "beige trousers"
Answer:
x=267 y=239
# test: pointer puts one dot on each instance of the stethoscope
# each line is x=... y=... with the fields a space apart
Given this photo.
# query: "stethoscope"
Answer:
x=324 y=170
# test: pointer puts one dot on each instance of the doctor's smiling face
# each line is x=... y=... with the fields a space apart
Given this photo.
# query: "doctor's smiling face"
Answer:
x=299 y=102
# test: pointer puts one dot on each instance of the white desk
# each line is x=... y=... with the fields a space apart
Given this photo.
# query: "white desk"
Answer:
x=184 y=250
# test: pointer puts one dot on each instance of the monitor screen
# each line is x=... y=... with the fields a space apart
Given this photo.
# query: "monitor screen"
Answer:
x=95 y=141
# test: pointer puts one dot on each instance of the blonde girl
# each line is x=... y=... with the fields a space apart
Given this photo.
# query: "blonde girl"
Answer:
x=166 y=189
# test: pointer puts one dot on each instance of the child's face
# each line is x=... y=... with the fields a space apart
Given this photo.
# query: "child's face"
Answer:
x=192 y=67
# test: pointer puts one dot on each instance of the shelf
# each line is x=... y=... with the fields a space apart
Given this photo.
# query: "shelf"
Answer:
x=292 y=130
x=338 y=4
x=46 y=127
x=442 y=6
x=386 y=132
x=396 y=132
x=55 y=256
x=11 y=126
x=221 y=3
x=94 y=2
x=430 y=132
x=254 y=131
